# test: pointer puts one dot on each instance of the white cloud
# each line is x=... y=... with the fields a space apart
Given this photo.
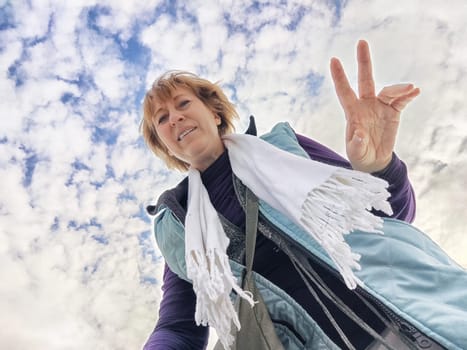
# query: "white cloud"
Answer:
x=61 y=287
x=179 y=50
x=32 y=19
x=13 y=201
x=109 y=79
x=125 y=15
x=126 y=161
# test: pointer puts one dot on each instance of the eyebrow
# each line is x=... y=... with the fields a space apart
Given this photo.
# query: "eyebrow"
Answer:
x=173 y=98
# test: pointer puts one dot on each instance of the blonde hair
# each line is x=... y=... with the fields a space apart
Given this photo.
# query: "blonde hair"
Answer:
x=162 y=89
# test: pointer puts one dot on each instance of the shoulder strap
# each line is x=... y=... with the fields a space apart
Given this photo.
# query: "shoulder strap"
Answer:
x=251 y=227
x=257 y=330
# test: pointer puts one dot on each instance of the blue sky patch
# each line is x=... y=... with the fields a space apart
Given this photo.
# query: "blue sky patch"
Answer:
x=15 y=73
x=56 y=224
x=296 y=18
x=30 y=163
x=108 y=136
x=314 y=82
x=102 y=239
x=93 y=14
x=7 y=17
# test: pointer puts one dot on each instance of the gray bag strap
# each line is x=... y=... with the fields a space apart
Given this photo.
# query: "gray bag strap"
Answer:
x=251 y=228
x=257 y=330
x=307 y=273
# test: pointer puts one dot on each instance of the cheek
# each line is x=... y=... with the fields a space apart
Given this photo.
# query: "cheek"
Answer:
x=164 y=140
x=162 y=134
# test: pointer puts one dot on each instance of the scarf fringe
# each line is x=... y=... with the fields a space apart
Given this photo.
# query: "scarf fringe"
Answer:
x=328 y=202
x=337 y=207
x=213 y=281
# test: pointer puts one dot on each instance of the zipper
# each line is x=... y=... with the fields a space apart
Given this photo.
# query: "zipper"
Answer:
x=413 y=334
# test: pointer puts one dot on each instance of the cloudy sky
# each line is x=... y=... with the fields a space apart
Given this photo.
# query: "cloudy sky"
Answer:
x=79 y=267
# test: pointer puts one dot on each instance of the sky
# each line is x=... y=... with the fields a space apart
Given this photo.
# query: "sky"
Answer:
x=79 y=264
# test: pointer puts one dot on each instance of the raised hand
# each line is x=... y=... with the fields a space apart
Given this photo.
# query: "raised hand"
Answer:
x=372 y=120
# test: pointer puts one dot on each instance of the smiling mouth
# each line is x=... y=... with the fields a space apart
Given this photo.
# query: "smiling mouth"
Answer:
x=186 y=132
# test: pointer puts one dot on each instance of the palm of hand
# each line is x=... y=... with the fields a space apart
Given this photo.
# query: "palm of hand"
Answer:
x=372 y=121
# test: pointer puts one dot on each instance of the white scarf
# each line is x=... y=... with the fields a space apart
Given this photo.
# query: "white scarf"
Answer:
x=326 y=201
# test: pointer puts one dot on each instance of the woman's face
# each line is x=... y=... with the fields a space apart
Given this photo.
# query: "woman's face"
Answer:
x=188 y=128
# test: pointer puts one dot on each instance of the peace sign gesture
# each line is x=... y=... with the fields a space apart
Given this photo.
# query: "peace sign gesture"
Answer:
x=372 y=120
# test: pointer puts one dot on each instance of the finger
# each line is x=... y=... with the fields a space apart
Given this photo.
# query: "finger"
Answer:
x=400 y=103
x=343 y=89
x=396 y=90
x=391 y=93
x=366 y=84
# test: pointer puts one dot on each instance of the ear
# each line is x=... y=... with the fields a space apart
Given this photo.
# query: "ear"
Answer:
x=218 y=120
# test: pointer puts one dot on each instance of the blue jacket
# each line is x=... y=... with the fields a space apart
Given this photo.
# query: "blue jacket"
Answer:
x=403 y=269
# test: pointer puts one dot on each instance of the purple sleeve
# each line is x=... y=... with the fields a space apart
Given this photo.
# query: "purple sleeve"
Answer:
x=402 y=198
x=176 y=328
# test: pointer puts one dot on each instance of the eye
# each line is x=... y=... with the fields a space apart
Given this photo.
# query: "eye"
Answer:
x=183 y=103
x=162 y=119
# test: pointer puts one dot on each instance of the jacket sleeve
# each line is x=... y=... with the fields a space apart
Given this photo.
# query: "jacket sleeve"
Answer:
x=176 y=328
x=402 y=198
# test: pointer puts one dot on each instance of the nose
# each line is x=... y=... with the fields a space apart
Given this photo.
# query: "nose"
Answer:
x=175 y=117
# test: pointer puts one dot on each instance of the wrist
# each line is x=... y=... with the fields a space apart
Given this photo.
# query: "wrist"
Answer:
x=387 y=165
x=384 y=170
x=374 y=168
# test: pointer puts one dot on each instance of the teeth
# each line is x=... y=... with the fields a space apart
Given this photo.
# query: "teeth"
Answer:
x=183 y=134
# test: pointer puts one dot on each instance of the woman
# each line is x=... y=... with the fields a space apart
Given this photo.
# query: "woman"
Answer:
x=186 y=123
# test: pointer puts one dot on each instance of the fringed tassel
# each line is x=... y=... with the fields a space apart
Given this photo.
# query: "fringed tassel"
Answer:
x=213 y=281
x=340 y=205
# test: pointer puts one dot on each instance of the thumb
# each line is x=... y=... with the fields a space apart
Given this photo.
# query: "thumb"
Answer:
x=357 y=146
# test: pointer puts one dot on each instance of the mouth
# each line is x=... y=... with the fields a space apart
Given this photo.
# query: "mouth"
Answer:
x=184 y=133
